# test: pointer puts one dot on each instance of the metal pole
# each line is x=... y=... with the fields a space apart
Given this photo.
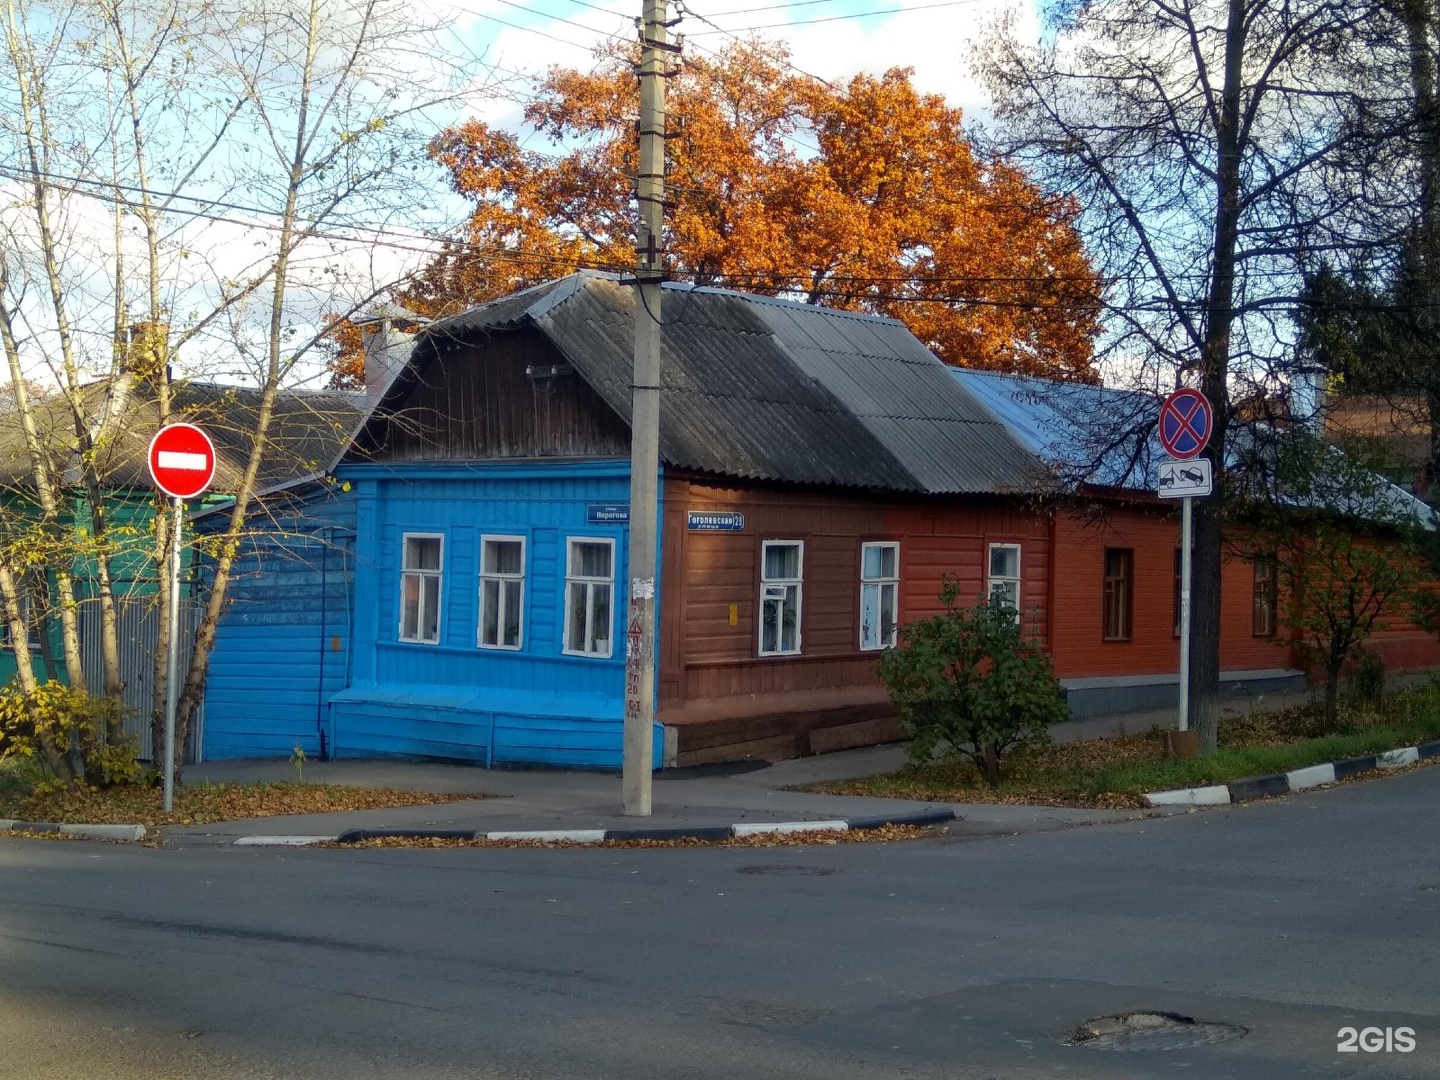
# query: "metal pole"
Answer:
x=172 y=661
x=645 y=416
x=1185 y=614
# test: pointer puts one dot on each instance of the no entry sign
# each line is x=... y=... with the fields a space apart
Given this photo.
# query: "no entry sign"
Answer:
x=182 y=460
x=1186 y=420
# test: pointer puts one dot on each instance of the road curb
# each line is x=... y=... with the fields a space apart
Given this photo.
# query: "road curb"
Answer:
x=1272 y=784
x=118 y=833
x=596 y=836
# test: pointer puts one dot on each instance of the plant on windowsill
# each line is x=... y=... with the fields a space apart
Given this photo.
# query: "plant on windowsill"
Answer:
x=969 y=683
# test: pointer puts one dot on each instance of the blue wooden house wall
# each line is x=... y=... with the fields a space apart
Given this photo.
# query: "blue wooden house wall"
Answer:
x=283 y=647
x=454 y=700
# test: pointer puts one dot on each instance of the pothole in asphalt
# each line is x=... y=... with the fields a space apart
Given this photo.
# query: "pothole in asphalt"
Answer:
x=784 y=870
x=1151 y=1031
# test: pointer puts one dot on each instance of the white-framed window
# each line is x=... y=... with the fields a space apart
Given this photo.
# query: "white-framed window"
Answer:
x=502 y=591
x=1003 y=583
x=782 y=566
x=421 y=574
x=589 y=592
x=879 y=594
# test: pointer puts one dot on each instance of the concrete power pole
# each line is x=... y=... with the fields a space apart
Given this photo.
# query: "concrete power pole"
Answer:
x=645 y=413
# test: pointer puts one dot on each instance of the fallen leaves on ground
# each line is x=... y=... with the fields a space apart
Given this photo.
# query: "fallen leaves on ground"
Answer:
x=1044 y=777
x=1077 y=774
x=140 y=804
x=811 y=838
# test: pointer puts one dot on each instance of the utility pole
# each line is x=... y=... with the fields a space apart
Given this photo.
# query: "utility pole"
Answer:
x=645 y=413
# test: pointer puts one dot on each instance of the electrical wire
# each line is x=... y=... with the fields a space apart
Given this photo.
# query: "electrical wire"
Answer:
x=839 y=18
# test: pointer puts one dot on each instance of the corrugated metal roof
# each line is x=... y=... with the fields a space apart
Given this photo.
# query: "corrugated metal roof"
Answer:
x=307 y=431
x=760 y=388
x=1084 y=434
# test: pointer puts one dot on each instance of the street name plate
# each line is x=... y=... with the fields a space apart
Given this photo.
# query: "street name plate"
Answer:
x=714 y=521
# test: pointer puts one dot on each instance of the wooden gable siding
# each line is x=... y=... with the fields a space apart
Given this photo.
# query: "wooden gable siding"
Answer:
x=711 y=667
x=476 y=402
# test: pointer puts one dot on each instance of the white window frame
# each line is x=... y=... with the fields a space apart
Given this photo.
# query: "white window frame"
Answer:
x=501 y=578
x=991 y=579
x=439 y=574
x=887 y=636
x=782 y=584
x=571 y=581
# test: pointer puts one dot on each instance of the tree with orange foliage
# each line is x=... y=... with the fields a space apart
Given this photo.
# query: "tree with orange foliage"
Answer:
x=866 y=197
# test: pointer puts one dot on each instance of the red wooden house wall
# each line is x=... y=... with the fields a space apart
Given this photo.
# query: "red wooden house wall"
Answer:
x=710 y=668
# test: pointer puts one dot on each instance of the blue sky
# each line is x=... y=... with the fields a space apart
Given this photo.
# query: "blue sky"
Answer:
x=833 y=39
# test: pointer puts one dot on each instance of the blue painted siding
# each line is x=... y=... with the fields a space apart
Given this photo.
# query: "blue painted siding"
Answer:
x=275 y=664
x=454 y=700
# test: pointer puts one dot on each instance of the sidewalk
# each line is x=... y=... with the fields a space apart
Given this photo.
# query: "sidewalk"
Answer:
x=705 y=797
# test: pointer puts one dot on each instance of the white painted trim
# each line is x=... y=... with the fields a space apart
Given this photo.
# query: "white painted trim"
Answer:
x=281 y=841
x=439 y=598
x=614 y=597
x=799 y=583
x=879 y=584
x=1019 y=577
x=1313 y=776
x=1215 y=795
x=574 y=836
x=1395 y=759
x=480 y=591
x=758 y=828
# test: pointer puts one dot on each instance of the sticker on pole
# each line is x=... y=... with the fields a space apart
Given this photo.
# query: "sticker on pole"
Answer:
x=1186 y=420
x=182 y=460
x=1184 y=479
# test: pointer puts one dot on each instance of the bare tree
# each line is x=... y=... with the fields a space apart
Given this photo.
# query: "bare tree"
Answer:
x=196 y=186
x=1212 y=145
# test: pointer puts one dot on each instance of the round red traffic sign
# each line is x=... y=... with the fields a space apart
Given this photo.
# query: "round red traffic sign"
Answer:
x=1186 y=420
x=182 y=460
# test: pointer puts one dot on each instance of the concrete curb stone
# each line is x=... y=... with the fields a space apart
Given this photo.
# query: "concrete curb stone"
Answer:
x=1272 y=784
x=121 y=833
x=596 y=836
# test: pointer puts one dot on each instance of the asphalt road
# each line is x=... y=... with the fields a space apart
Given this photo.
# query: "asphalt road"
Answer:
x=941 y=958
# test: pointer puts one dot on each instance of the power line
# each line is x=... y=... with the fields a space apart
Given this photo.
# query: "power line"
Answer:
x=838 y=18
x=773 y=7
x=529 y=30
x=567 y=22
x=685 y=9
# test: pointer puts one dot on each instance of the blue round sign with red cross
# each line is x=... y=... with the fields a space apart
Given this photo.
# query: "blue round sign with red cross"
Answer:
x=1186 y=420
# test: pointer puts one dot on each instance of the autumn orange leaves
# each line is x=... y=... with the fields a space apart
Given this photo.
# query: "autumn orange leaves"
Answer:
x=865 y=196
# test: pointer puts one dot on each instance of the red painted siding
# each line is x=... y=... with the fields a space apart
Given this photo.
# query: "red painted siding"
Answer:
x=711 y=668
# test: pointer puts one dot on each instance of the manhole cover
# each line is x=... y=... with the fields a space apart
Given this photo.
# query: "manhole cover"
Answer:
x=1151 y=1031
x=782 y=870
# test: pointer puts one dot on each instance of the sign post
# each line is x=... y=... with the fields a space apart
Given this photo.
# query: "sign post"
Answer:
x=182 y=464
x=1186 y=420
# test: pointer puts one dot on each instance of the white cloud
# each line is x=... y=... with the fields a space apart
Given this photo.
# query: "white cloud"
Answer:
x=935 y=41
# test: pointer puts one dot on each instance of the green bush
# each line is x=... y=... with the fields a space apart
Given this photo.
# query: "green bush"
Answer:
x=1367 y=677
x=64 y=731
x=969 y=683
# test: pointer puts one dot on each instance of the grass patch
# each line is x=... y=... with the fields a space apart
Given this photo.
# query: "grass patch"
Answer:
x=1115 y=773
x=22 y=800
